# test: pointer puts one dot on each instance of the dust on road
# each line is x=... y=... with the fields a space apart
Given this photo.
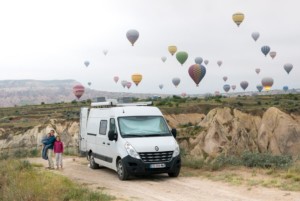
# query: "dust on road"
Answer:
x=163 y=188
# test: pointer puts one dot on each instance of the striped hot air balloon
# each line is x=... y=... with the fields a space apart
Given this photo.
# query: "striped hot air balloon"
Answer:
x=197 y=72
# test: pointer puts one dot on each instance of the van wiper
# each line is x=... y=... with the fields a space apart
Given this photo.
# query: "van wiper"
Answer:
x=134 y=135
x=153 y=135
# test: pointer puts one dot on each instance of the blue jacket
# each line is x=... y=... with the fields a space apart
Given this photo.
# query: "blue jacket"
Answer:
x=48 y=142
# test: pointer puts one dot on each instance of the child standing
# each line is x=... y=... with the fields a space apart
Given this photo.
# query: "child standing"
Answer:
x=58 y=150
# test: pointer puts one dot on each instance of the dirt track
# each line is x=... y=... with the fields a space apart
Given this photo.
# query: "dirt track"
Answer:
x=162 y=187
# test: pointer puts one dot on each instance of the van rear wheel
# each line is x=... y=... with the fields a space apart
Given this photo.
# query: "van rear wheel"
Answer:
x=93 y=164
x=121 y=170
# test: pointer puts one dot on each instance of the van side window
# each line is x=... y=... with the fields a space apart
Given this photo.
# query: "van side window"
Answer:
x=112 y=125
x=103 y=127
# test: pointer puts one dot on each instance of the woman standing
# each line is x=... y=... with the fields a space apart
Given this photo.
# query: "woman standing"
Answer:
x=58 y=150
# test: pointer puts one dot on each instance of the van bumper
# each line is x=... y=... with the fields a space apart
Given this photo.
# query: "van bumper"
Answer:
x=138 y=167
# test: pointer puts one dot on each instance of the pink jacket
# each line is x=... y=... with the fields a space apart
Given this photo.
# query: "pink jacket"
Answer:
x=58 y=147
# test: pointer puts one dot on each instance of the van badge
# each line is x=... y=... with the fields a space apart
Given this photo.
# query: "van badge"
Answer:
x=156 y=148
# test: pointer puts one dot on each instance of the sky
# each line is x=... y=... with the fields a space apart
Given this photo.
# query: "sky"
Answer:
x=48 y=40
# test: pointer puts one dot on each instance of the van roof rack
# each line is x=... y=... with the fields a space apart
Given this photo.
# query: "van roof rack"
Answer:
x=114 y=102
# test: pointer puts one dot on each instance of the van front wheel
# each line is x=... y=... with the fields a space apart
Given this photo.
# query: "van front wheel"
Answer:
x=122 y=171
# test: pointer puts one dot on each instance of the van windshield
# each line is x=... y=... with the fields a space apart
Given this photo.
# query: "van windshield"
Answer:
x=143 y=126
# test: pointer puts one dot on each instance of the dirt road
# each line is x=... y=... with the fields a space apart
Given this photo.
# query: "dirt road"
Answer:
x=162 y=187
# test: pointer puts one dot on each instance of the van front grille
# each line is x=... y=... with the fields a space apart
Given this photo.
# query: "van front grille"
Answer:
x=150 y=157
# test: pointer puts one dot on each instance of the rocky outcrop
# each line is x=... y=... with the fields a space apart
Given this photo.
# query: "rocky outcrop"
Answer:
x=222 y=130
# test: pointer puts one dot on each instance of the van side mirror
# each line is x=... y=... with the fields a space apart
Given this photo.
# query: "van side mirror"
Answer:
x=174 y=132
x=112 y=136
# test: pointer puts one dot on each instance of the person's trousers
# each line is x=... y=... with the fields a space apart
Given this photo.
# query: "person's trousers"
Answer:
x=50 y=160
x=58 y=157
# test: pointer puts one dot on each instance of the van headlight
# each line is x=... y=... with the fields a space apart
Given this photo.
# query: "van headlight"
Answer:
x=131 y=151
x=176 y=151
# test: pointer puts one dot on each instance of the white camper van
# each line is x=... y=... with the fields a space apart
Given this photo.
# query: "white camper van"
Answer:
x=132 y=139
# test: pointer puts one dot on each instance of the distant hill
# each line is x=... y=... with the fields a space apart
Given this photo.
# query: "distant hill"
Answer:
x=28 y=92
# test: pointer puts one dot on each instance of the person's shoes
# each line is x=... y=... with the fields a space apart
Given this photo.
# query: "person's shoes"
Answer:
x=50 y=168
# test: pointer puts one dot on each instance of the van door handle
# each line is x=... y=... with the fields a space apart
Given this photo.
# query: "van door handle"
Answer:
x=108 y=143
x=103 y=142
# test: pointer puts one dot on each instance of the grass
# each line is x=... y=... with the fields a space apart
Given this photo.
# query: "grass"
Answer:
x=280 y=174
x=20 y=180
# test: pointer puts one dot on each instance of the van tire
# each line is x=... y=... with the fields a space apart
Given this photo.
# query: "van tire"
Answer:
x=121 y=170
x=175 y=173
x=93 y=164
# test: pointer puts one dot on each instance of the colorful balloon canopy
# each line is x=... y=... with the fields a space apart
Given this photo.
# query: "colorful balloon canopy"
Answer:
x=78 y=90
x=132 y=35
x=197 y=72
x=161 y=86
x=259 y=87
x=257 y=70
x=244 y=85
x=219 y=63
x=238 y=18
x=225 y=78
x=217 y=93
x=183 y=94
x=285 y=88
x=255 y=36
x=164 y=58
x=267 y=83
x=272 y=54
x=206 y=62
x=86 y=63
x=233 y=87
x=181 y=57
x=116 y=79
x=172 y=49
x=128 y=85
x=226 y=87
x=124 y=83
x=136 y=78
x=265 y=50
x=198 y=60
x=288 y=67
x=176 y=81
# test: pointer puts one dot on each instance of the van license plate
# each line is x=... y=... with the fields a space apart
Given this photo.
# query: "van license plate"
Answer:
x=158 y=165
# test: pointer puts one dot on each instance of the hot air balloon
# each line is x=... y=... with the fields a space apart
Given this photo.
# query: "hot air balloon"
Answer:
x=89 y=83
x=86 y=63
x=116 y=79
x=255 y=35
x=226 y=87
x=217 y=93
x=198 y=60
x=181 y=57
x=244 y=85
x=233 y=87
x=206 y=62
x=225 y=78
x=257 y=70
x=163 y=59
x=197 y=72
x=219 y=63
x=265 y=49
x=124 y=83
x=78 y=90
x=176 y=81
x=161 y=86
x=128 y=85
x=183 y=94
x=136 y=78
x=285 y=88
x=267 y=83
x=272 y=54
x=172 y=49
x=132 y=35
x=259 y=87
x=288 y=67
x=238 y=18
x=105 y=51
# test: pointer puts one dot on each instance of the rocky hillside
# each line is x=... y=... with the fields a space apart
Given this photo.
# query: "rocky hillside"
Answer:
x=222 y=130
x=29 y=92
